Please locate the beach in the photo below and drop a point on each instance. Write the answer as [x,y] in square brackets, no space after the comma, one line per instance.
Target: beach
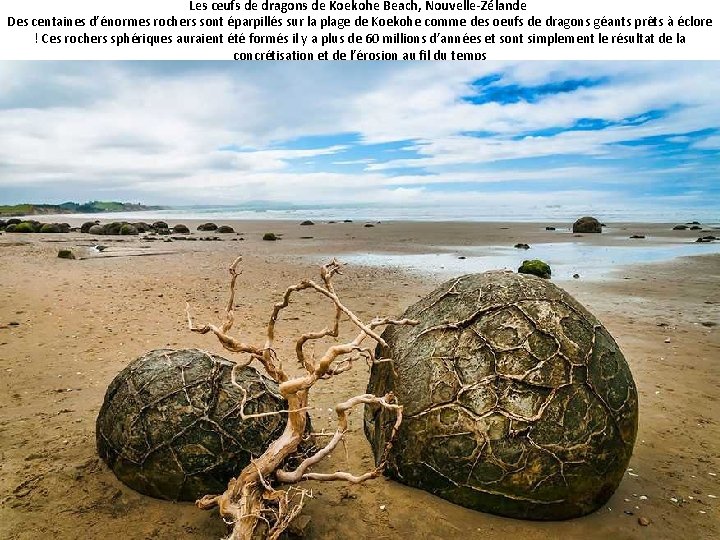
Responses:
[67,327]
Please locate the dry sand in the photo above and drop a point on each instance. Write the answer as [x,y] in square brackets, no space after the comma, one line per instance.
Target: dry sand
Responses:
[68,327]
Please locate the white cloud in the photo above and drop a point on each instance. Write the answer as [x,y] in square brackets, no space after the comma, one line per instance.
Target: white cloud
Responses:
[160,129]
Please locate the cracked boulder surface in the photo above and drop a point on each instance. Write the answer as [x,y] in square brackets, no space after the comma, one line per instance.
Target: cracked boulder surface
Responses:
[170,426]
[517,400]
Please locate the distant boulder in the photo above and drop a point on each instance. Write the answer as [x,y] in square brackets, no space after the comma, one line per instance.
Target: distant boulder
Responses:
[85,227]
[680,228]
[308,222]
[181,229]
[549,228]
[23,227]
[270,237]
[65,254]
[160,225]
[522,246]
[225,229]
[638,236]
[112,228]
[50,228]
[695,228]
[535,267]
[13,221]
[96,229]
[368,225]
[207,227]
[128,229]
[587,224]
[142,227]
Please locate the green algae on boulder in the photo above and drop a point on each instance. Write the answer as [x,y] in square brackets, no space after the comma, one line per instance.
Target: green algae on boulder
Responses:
[128,229]
[170,425]
[24,227]
[517,400]
[270,237]
[536,267]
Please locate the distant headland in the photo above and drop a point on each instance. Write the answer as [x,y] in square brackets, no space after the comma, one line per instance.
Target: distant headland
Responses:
[92,207]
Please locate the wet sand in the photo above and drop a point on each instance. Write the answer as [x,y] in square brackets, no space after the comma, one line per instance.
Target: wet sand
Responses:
[67,327]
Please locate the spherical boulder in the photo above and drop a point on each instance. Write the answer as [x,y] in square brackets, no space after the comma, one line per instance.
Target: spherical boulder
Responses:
[535,267]
[181,229]
[207,227]
[170,425]
[587,224]
[225,229]
[96,229]
[517,400]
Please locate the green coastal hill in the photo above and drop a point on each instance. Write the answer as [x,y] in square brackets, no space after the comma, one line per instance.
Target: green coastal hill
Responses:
[92,207]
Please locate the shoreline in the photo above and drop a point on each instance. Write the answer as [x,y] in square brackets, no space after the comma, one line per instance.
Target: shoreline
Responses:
[78,323]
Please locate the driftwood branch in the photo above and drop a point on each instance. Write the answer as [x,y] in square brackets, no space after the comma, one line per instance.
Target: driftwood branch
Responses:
[251,504]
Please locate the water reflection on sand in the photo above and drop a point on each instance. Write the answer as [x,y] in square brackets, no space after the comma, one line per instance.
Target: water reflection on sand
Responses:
[565,258]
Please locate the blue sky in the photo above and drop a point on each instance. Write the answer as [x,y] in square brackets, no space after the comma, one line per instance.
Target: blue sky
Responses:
[523,135]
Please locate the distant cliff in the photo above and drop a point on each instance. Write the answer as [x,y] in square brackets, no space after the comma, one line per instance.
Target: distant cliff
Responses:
[92,207]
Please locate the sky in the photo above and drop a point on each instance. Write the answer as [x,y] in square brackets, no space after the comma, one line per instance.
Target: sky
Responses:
[522,136]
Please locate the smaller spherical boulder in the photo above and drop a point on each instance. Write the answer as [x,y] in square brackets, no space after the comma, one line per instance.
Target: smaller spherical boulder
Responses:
[181,229]
[159,225]
[225,229]
[207,227]
[587,224]
[170,425]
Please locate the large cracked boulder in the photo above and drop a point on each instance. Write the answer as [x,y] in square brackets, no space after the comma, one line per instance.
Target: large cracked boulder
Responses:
[517,400]
[170,426]
[587,224]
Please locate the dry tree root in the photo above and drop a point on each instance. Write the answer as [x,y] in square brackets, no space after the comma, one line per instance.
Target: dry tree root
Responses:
[251,505]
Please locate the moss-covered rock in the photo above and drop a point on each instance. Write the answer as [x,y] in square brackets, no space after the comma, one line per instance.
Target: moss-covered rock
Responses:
[65,254]
[536,267]
[270,237]
[128,229]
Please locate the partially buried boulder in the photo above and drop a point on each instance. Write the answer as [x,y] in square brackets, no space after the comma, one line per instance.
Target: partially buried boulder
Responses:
[170,425]
[180,228]
[517,401]
[225,229]
[207,227]
[587,224]
[96,229]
